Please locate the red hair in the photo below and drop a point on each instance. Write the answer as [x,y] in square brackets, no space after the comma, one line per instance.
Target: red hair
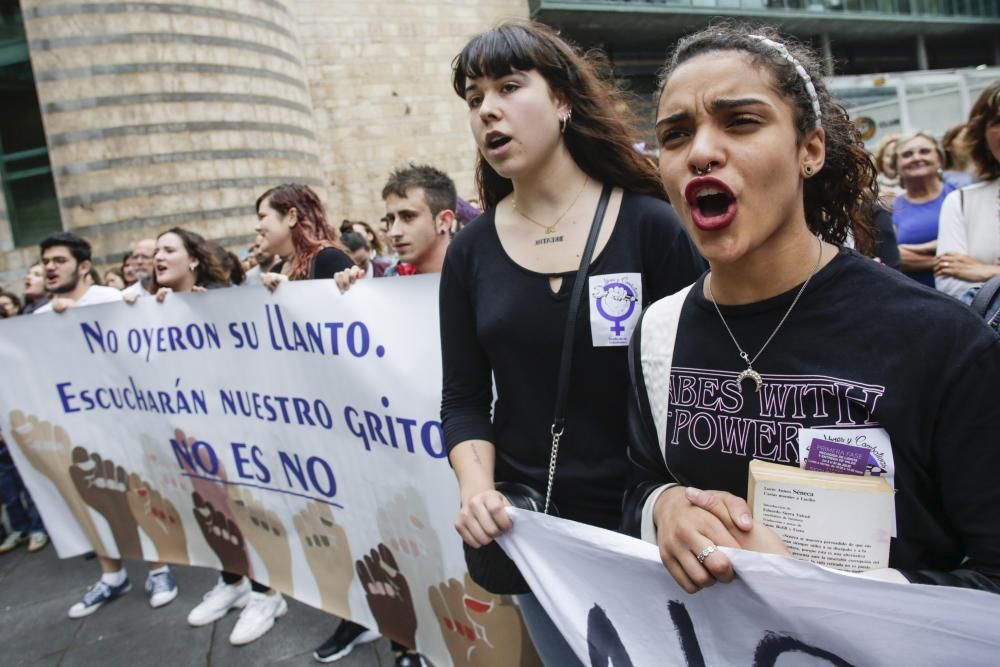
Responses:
[311,232]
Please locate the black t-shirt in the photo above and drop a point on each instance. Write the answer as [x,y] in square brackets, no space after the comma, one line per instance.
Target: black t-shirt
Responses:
[865,348]
[886,248]
[499,317]
[326,263]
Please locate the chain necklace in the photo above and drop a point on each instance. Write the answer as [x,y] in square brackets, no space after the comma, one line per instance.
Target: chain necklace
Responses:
[749,372]
[550,229]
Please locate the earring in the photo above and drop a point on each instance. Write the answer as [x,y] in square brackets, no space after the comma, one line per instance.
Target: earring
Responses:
[192,267]
[564,122]
[808,170]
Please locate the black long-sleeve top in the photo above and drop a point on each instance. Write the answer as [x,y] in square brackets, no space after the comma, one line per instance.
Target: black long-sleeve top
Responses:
[499,318]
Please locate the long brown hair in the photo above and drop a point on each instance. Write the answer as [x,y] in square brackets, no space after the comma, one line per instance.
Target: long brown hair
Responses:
[984,113]
[602,133]
[209,270]
[311,232]
[840,198]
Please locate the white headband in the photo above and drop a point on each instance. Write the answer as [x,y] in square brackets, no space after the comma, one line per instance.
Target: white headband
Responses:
[810,88]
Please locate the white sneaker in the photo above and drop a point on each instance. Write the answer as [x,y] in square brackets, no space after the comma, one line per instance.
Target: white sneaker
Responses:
[217,602]
[14,538]
[258,617]
[37,541]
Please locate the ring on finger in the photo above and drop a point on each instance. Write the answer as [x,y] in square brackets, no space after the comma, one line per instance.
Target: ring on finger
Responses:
[706,552]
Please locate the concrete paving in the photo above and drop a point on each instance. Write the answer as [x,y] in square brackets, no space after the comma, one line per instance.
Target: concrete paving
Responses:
[36,591]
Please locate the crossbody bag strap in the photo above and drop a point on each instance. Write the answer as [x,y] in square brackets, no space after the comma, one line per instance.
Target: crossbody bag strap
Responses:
[566,358]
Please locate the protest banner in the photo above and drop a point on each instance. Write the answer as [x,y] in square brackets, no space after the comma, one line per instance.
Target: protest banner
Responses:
[617,605]
[292,437]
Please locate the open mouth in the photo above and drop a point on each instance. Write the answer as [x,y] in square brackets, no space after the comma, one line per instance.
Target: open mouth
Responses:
[713,204]
[496,140]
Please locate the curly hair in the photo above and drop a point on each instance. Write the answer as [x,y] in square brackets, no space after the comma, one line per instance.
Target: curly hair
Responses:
[209,270]
[311,232]
[840,198]
[984,113]
[602,133]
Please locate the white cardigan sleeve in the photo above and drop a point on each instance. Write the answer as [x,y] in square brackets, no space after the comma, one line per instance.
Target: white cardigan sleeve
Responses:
[952,237]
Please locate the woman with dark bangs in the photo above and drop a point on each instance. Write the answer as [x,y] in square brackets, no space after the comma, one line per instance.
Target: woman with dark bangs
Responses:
[292,224]
[551,137]
[791,336]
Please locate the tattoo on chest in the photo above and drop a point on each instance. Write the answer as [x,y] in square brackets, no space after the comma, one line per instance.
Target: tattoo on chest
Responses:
[545,240]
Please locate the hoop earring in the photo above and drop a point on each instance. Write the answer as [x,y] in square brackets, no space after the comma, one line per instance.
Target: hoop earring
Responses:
[564,122]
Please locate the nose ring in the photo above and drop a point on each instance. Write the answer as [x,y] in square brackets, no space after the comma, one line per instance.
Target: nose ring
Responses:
[706,170]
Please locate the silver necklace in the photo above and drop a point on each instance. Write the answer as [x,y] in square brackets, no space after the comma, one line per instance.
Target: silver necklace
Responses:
[749,372]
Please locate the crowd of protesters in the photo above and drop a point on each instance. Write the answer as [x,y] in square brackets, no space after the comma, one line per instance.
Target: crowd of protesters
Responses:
[945,201]
[770,190]
[294,241]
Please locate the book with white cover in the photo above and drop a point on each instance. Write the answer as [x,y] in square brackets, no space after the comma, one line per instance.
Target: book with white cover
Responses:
[839,521]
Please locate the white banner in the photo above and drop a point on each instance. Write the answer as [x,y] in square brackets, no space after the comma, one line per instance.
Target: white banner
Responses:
[616,605]
[294,437]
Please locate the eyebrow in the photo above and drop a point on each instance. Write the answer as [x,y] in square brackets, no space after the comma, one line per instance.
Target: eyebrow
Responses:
[513,72]
[723,103]
[719,104]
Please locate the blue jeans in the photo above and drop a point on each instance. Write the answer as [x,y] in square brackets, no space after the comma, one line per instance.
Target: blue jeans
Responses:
[21,509]
[549,642]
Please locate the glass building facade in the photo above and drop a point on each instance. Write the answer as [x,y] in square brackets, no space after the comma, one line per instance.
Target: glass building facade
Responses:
[30,209]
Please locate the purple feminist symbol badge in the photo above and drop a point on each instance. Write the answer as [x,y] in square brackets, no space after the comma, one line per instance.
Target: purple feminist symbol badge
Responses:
[616,302]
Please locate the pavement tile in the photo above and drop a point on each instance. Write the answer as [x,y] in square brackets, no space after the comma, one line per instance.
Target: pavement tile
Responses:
[33,630]
[36,591]
[42,576]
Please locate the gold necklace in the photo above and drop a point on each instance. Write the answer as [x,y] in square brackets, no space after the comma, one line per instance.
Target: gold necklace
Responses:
[550,229]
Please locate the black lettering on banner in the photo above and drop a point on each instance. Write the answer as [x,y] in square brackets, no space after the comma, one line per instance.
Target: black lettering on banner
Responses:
[685,632]
[606,648]
[773,646]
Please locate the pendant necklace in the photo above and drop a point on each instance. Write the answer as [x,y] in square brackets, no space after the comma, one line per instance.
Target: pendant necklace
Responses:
[749,372]
[550,229]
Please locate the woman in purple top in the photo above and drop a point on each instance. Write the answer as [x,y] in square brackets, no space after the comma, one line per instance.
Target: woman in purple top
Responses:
[915,212]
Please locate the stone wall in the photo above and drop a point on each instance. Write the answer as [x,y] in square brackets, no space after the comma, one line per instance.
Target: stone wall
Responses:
[380,77]
[181,113]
